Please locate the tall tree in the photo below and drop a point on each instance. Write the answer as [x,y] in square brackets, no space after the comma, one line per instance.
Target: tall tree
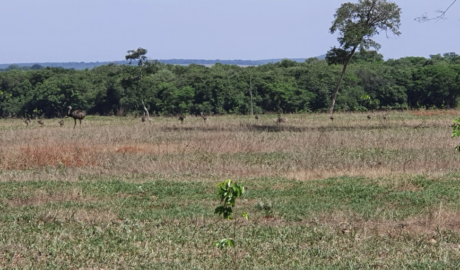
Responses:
[357,24]
[250,89]
[138,55]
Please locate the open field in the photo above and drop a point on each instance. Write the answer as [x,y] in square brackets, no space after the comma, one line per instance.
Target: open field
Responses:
[351,193]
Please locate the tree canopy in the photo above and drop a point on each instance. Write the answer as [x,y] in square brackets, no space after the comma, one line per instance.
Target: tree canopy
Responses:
[357,24]
[371,83]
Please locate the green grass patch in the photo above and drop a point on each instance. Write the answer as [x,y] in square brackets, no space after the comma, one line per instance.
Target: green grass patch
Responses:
[161,224]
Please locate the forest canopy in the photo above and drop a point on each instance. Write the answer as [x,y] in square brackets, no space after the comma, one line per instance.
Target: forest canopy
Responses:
[371,83]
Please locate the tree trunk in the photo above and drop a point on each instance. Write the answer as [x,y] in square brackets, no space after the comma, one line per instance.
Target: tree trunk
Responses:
[250,93]
[146,112]
[334,95]
[336,91]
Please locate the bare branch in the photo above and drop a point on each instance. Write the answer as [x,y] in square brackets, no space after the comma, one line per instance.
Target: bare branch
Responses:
[441,16]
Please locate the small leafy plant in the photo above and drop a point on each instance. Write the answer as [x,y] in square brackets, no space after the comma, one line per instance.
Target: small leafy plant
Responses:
[456,131]
[228,193]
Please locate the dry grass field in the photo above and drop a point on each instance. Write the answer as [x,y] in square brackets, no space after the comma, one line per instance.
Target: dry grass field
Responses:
[117,193]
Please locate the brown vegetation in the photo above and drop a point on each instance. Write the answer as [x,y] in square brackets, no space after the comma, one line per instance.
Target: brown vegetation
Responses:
[120,149]
[435,112]
[129,149]
[41,197]
[304,148]
[428,224]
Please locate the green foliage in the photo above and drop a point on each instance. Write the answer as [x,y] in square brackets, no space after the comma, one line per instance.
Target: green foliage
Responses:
[364,56]
[286,87]
[357,24]
[456,131]
[435,84]
[160,233]
[224,243]
[228,193]
[337,56]
[138,54]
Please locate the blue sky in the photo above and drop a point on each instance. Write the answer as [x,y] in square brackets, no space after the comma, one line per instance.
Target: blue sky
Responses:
[103,30]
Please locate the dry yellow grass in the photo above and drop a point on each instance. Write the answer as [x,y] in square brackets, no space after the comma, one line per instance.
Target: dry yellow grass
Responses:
[306,147]
[119,193]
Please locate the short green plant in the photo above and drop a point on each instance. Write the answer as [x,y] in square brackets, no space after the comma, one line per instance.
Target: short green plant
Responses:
[456,131]
[228,193]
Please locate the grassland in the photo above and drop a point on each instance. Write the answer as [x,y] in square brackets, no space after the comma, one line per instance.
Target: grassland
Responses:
[351,193]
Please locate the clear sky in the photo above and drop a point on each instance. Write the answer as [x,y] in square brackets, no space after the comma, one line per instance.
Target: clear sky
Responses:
[103,30]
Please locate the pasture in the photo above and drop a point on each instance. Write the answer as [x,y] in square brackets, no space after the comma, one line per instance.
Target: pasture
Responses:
[352,193]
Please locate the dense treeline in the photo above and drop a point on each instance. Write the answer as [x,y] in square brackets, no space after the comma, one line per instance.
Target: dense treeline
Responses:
[90,65]
[288,86]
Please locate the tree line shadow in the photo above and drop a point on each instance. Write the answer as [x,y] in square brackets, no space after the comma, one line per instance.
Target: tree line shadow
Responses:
[288,128]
